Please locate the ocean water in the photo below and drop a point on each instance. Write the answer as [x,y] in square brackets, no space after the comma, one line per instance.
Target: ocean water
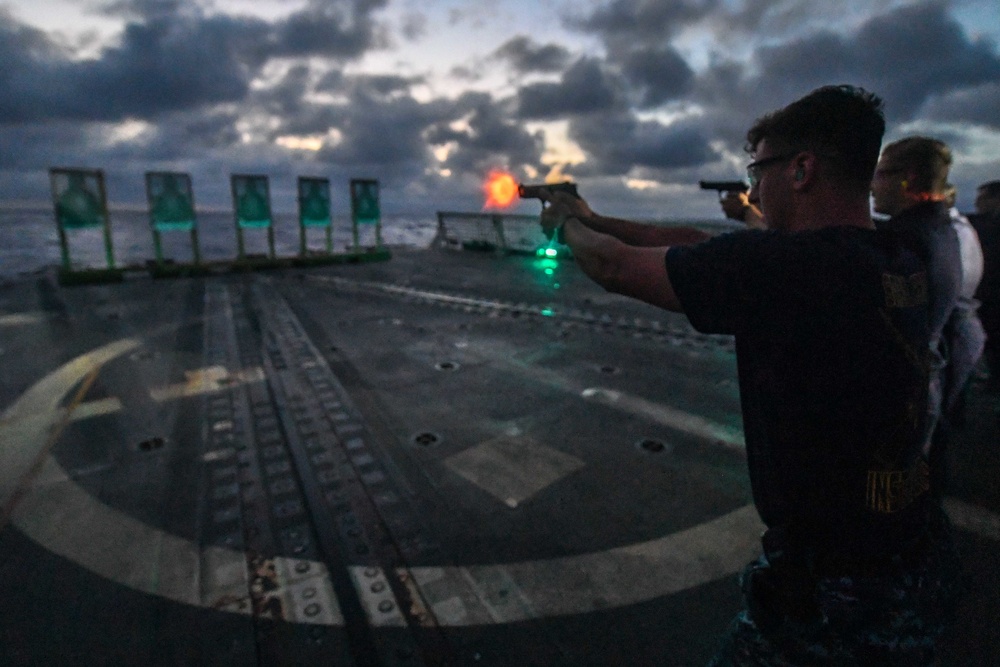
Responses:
[29,239]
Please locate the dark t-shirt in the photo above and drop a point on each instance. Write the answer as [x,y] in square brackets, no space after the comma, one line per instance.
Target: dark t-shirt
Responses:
[831,344]
[988,228]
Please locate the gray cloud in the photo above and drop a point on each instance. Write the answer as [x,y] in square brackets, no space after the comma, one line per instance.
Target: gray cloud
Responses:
[584,88]
[342,29]
[146,9]
[380,133]
[660,73]
[643,21]
[493,138]
[976,104]
[907,56]
[525,55]
[619,142]
[920,51]
[413,26]
[158,66]
[169,60]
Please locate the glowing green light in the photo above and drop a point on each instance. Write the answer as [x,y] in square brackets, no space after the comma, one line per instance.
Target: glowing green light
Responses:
[549,272]
[547,312]
[551,252]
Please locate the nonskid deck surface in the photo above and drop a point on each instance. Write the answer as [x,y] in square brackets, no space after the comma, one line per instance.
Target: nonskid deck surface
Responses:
[446,458]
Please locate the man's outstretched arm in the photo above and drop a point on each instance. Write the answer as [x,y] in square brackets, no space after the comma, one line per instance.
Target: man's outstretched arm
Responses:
[636,271]
[562,205]
[644,235]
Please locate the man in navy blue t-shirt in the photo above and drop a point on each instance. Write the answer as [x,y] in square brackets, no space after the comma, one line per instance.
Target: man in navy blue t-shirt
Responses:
[831,326]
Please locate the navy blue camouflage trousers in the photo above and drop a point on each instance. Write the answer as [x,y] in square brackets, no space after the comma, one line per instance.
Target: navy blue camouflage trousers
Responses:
[894,619]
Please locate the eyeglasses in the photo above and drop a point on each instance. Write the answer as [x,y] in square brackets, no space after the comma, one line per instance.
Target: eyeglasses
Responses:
[754,169]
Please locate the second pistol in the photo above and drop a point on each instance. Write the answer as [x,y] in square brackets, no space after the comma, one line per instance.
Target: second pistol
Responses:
[724,186]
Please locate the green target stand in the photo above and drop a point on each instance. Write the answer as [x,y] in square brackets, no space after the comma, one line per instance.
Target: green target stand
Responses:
[314,211]
[80,202]
[171,209]
[365,210]
[252,210]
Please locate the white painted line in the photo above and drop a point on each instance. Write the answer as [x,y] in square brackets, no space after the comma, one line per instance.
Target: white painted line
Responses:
[680,420]
[20,319]
[613,578]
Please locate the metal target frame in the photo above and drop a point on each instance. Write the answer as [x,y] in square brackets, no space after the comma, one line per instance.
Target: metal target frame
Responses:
[87,207]
[307,210]
[158,226]
[364,195]
[241,185]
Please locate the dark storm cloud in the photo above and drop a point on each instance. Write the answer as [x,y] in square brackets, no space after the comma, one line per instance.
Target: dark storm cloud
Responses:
[160,65]
[144,9]
[296,116]
[286,96]
[916,52]
[620,142]
[169,60]
[661,74]
[907,56]
[413,26]
[525,55]
[642,21]
[488,138]
[979,105]
[336,29]
[380,131]
[584,88]
[32,144]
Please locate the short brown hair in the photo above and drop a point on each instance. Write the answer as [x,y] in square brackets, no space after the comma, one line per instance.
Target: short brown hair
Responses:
[841,124]
[926,159]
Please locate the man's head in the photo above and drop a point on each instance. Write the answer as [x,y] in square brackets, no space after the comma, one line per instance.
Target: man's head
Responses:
[910,171]
[988,198]
[827,141]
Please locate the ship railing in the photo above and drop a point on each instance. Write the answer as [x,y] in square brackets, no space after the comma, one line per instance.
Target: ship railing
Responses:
[500,232]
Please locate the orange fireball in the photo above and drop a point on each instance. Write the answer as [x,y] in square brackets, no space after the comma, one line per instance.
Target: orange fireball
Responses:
[500,188]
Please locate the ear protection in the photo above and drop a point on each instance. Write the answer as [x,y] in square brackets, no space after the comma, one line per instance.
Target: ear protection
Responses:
[799,174]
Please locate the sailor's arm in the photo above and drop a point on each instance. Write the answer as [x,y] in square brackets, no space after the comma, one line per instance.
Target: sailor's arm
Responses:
[644,235]
[562,205]
[636,271]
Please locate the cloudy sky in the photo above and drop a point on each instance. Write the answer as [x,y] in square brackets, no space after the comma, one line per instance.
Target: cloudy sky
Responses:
[634,99]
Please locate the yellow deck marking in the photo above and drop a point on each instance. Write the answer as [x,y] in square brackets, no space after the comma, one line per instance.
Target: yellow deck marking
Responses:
[207,381]
[97,408]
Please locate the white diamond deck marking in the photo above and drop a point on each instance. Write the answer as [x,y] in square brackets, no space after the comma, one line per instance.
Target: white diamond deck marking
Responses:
[513,468]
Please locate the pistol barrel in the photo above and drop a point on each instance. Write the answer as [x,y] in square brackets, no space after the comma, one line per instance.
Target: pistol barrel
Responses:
[536,191]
